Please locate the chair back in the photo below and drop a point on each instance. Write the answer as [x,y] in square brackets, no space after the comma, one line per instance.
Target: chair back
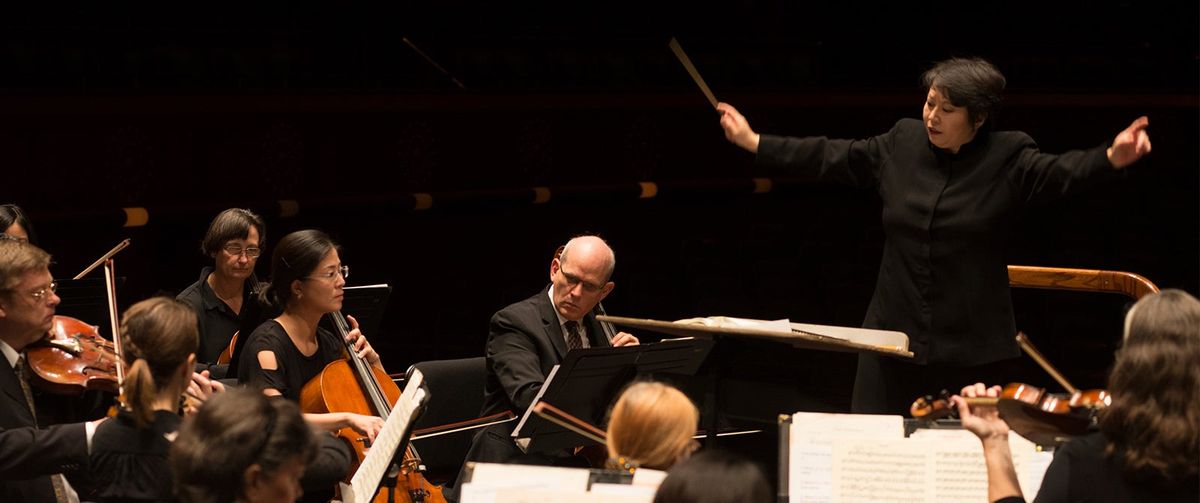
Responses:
[455,394]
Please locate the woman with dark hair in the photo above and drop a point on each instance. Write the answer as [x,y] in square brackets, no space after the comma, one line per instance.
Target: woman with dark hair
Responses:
[242,446]
[14,224]
[129,453]
[951,188]
[714,477]
[1148,445]
[221,297]
[284,353]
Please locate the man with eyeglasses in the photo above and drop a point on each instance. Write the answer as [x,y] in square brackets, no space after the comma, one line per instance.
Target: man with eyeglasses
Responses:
[33,456]
[222,295]
[530,337]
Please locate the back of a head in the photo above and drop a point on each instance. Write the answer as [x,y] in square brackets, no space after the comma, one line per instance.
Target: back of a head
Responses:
[158,336]
[232,431]
[714,477]
[652,425]
[1153,424]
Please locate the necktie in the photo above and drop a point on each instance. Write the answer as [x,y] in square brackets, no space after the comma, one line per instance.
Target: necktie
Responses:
[574,338]
[60,490]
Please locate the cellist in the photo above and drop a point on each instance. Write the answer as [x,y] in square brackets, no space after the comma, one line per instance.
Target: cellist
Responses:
[285,352]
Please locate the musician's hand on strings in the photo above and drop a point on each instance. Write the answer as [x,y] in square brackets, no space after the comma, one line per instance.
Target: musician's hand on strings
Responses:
[737,129]
[359,342]
[624,339]
[982,420]
[365,425]
[1130,144]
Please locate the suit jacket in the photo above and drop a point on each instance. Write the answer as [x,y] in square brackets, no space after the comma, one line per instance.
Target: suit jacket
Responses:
[28,455]
[524,342]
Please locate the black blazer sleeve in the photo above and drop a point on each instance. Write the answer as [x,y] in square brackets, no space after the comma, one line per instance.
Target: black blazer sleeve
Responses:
[851,162]
[515,358]
[29,452]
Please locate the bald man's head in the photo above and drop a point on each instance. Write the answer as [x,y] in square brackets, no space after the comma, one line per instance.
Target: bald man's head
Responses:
[582,276]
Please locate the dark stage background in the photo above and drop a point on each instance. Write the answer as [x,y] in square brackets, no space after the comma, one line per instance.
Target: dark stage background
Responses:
[186,111]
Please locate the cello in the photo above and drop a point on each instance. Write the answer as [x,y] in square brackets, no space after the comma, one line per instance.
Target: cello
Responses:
[353,385]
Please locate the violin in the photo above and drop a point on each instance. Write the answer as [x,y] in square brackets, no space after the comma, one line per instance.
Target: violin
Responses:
[353,385]
[1032,412]
[72,359]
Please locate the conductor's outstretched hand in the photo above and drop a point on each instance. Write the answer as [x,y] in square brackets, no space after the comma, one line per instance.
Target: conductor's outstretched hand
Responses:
[1129,145]
[737,130]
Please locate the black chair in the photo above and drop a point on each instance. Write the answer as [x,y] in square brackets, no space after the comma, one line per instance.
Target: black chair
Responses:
[455,394]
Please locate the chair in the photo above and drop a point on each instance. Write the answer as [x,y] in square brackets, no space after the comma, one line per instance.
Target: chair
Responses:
[456,395]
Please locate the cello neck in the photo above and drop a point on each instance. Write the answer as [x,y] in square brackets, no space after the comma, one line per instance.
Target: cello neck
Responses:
[609,331]
[362,369]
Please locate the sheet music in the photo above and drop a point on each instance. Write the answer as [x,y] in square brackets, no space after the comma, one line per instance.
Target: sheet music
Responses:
[811,444]
[854,457]
[365,482]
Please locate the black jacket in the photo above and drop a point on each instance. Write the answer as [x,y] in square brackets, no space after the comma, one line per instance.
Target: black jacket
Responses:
[943,278]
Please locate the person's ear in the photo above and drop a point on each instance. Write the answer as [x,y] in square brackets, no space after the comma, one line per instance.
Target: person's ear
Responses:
[555,265]
[980,120]
[253,483]
[608,288]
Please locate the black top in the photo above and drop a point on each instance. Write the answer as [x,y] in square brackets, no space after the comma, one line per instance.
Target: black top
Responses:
[293,368]
[943,278]
[216,320]
[130,463]
[1082,472]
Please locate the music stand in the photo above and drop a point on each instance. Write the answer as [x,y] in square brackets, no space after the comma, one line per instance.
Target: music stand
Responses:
[366,304]
[588,380]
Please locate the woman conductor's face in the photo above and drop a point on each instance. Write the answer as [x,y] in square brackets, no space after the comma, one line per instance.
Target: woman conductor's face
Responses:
[949,126]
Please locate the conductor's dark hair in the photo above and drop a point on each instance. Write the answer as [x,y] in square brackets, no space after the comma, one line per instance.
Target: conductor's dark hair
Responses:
[232,431]
[295,257]
[233,223]
[12,214]
[714,477]
[968,82]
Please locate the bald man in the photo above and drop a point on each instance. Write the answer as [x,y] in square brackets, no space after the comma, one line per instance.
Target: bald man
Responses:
[530,337]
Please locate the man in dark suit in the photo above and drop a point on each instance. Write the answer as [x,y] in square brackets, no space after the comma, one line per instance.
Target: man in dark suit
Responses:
[32,458]
[530,337]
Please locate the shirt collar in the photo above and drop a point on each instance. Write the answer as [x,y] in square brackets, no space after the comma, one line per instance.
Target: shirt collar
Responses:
[561,321]
[10,354]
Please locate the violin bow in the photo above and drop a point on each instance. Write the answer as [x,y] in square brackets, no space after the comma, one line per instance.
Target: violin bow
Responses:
[116,249]
[110,275]
[1027,346]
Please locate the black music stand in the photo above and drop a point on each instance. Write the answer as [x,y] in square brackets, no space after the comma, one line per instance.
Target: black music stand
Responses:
[366,304]
[588,380]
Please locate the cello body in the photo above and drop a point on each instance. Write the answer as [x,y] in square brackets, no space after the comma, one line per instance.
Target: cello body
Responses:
[338,388]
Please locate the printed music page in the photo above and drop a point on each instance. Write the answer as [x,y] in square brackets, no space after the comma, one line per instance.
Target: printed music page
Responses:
[811,440]
[870,471]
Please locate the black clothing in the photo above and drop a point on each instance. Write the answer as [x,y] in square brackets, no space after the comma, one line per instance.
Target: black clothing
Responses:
[29,454]
[129,463]
[884,385]
[216,320]
[943,279]
[293,369]
[1082,472]
[524,342]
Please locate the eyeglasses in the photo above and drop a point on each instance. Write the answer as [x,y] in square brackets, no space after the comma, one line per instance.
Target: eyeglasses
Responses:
[235,250]
[330,275]
[573,280]
[40,294]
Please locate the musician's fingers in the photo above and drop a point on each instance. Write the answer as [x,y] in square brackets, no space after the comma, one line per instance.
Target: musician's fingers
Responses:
[353,322]
[994,390]
[218,387]
[625,339]
[974,390]
[964,410]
